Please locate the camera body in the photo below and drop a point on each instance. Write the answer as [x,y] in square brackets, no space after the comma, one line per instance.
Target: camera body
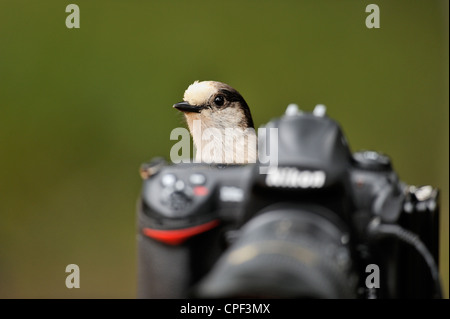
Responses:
[322,223]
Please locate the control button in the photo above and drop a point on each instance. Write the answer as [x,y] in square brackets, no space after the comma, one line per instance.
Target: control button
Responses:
[179,185]
[292,109]
[168,180]
[197,179]
[200,191]
[320,110]
[423,193]
[231,194]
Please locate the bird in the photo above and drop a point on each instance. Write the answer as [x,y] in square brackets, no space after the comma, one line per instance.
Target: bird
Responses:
[220,123]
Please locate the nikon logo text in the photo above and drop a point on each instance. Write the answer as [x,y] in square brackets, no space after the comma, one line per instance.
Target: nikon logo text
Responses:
[294,178]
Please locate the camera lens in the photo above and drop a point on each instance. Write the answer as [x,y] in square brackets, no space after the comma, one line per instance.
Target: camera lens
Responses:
[285,252]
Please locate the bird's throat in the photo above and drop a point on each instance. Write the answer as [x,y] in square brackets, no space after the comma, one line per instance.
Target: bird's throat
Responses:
[223,145]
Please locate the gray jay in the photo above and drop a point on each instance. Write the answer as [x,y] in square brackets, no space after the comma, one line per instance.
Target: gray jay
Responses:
[220,123]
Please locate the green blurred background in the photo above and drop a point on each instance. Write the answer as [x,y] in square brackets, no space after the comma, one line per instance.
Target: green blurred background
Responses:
[81,109]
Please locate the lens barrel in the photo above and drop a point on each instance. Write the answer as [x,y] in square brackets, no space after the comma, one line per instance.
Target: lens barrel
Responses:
[287,251]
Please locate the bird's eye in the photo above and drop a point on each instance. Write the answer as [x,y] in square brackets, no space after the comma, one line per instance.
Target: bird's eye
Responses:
[219,100]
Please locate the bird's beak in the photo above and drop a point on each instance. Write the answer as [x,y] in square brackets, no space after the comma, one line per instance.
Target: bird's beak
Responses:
[186,107]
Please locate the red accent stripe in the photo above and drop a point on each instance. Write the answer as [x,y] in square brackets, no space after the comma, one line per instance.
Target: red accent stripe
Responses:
[177,236]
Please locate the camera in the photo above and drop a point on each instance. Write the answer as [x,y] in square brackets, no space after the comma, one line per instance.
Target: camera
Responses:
[321,222]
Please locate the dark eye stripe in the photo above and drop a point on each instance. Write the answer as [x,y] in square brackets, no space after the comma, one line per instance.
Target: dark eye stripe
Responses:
[235,96]
[231,96]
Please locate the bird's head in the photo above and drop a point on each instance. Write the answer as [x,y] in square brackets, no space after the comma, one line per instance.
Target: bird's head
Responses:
[216,105]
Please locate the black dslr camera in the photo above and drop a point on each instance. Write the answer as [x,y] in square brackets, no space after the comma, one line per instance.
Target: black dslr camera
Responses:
[322,222]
